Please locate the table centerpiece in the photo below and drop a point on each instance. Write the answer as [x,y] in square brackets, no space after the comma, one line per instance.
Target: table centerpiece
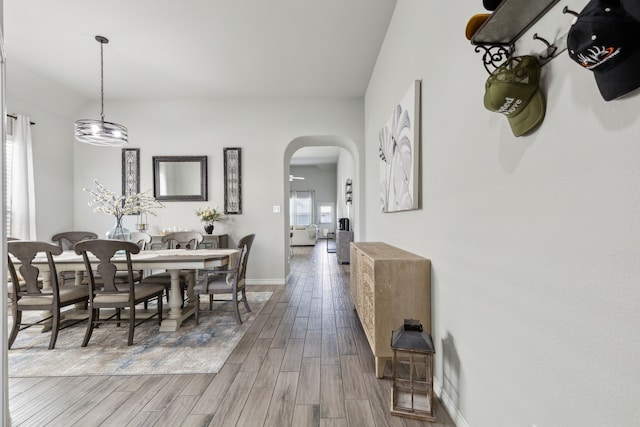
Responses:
[106,201]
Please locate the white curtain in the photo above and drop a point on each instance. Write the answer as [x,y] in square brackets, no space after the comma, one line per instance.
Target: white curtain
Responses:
[23,205]
[301,204]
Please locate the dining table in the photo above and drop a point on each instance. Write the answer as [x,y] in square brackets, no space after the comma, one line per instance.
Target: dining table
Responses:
[172,260]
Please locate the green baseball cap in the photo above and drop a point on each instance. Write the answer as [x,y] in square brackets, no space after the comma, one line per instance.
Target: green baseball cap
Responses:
[513,90]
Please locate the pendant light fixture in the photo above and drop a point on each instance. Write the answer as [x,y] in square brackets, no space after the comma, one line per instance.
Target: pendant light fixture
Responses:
[99,132]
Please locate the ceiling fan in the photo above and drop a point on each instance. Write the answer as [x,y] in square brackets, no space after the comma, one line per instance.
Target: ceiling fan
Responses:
[291,177]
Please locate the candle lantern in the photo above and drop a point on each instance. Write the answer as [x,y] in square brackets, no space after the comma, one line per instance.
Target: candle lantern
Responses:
[412,367]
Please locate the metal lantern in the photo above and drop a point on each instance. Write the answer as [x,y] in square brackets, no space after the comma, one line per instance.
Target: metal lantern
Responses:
[412,365]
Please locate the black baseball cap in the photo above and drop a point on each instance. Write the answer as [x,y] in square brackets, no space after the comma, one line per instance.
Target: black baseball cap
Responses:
[491,4]
[605,39]
[632,7]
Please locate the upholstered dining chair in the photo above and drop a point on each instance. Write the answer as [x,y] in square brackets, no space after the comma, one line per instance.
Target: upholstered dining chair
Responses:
[30,296]
[109,293]
[176,240]
[66,240]
[229,281]
[143,240]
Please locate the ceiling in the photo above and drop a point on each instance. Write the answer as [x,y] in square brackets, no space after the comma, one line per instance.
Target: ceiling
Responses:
[199,48]
[317,156]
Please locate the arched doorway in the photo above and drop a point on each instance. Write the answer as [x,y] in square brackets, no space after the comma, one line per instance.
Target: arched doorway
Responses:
[352,172]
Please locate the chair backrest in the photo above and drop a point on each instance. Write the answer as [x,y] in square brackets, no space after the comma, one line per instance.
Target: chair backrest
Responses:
[24,252]
[182,240]
[244,242]
[67,239]
[104,251]
[143,240]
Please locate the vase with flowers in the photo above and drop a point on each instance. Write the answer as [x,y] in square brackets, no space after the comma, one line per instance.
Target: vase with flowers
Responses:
[209,215]
[106,201]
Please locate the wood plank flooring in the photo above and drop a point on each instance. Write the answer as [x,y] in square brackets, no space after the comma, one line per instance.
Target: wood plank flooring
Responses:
[304,361]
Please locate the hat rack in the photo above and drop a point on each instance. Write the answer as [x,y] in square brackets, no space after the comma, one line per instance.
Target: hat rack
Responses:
[496,38]
[494,55]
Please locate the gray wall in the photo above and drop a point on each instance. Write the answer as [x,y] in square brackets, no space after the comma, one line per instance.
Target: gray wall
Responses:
[321,179]
[263,128]
[534,240]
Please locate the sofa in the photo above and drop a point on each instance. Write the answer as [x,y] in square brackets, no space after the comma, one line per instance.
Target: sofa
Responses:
[304,235]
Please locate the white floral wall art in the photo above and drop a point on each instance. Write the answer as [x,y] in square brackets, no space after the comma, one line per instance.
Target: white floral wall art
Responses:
[399,154]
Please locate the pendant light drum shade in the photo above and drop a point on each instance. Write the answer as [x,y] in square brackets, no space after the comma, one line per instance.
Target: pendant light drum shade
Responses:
[100,132]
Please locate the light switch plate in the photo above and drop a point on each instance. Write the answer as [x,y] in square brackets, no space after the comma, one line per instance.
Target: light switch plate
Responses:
[276,209]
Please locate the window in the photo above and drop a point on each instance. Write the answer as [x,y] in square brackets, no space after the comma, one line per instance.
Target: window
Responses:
[325,213]
[301,207]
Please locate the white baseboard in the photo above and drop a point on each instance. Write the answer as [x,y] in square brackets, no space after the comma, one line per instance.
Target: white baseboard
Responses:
[265,282]
[449,405]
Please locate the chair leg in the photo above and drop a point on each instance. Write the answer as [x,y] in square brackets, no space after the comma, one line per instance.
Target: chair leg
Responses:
[160,310]
[244,300]
[197,309]
[55,327]
[236,306]
[17,319]
[210,302]
[94,315]
[132,324]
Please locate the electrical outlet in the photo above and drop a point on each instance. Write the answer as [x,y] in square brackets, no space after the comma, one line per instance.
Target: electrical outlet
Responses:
[276,209]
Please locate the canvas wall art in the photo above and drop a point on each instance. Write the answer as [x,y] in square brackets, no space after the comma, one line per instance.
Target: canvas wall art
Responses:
[232,181]
[130,171]
[399,154]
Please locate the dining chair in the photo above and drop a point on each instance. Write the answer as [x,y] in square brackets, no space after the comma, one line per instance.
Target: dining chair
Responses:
[143,240]
[177,240]
[66,240]
[111,294]
[229,281]
[30,296]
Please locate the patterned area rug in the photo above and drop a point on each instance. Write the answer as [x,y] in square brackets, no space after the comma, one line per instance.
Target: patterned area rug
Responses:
[192,349]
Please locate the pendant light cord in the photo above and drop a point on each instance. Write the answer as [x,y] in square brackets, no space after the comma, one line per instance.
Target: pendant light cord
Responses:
[101,81]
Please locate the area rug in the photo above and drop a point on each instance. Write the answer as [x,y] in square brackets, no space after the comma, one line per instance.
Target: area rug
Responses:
[201,348]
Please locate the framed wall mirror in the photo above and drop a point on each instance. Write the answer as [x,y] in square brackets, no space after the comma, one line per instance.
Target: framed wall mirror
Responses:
[180,178]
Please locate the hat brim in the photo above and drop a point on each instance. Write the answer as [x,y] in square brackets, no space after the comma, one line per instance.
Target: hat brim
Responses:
[474,24]
[621,79]
[530,117]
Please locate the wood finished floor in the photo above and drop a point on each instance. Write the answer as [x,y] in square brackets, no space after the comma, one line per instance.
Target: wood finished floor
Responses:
[304,361]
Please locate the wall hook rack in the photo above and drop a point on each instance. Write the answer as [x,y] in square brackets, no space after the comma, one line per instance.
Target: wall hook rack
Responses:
[551,49]
[567,10]
[494,55]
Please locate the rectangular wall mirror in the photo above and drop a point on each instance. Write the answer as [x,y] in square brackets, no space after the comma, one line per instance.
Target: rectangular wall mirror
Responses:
[180,178]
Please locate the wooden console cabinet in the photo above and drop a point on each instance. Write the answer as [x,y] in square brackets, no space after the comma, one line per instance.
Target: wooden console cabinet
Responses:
[388,285]
[210,241]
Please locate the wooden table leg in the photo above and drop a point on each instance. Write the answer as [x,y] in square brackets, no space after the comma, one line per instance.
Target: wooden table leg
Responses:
[177,313]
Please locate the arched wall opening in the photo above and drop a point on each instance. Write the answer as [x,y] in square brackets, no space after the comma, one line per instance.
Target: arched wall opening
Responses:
[357,182]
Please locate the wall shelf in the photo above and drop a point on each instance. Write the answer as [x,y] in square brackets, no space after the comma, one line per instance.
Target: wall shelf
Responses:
[499,33]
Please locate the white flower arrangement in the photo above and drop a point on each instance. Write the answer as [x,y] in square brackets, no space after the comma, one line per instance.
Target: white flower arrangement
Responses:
[106,201]
[209,215]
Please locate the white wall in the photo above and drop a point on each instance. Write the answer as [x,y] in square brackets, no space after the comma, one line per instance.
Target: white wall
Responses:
[534,240]
[263,128]
[321,179]
[346,170]
[51,107]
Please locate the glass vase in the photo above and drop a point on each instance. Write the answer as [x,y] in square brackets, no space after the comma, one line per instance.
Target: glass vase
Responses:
[119,232]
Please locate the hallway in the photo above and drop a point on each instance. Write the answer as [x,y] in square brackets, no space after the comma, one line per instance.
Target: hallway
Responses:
[303,362]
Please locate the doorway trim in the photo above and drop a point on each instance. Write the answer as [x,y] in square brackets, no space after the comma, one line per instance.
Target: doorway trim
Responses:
[358,187]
